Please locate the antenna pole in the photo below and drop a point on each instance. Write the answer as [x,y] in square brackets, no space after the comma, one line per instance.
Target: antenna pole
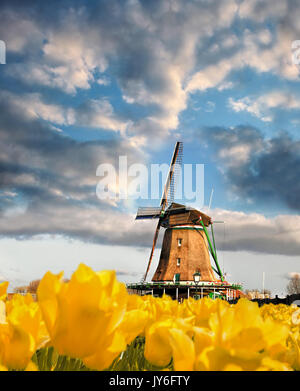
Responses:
[210,199]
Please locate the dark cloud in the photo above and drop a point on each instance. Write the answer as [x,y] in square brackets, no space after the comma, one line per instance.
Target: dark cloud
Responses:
[257,167]
[127,273]
[48,181]
[255,233]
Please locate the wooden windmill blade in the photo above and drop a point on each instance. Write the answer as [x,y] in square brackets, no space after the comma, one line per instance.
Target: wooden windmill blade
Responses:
[152,249]
[168,193]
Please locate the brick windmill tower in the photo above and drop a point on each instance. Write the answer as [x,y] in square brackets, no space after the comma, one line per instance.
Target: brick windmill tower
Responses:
[186,246]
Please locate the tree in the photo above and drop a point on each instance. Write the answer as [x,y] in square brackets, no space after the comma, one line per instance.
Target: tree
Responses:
[33,285]
[266,292]
[293,287]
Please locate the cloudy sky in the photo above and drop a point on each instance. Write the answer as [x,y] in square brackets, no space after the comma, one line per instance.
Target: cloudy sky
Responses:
[87,82]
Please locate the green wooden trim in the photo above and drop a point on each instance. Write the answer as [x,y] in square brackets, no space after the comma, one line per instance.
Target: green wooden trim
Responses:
[214,255]
[213,236]
[215,270]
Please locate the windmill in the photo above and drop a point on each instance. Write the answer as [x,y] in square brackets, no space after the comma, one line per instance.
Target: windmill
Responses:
[186,246]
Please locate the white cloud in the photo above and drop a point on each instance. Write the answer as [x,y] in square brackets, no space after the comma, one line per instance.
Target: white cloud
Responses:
[263,106]
[236,154]
[20,32]
[226,85]
[98,113]
[69,55]
[93,113]
[259,10]
[254,49]
[33,106]
[103,81]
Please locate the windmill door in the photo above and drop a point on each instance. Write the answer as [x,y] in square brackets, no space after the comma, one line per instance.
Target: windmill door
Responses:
[177,278]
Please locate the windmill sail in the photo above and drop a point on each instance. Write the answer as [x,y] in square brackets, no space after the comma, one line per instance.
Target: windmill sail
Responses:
[174,172]
[168,194]
[152,250]
[148,213]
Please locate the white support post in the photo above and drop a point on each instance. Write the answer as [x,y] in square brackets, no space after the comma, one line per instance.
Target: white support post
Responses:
[176,293]
[188,292]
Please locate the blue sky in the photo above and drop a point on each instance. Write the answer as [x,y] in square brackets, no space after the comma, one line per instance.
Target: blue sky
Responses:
[85,83]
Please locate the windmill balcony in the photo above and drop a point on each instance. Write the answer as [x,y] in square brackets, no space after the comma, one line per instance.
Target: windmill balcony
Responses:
[185,283]
[184,289]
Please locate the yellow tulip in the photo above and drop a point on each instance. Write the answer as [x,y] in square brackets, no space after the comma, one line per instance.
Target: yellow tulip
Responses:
[267,364]
[3,368]
[31,367]
[296,317]
[203,338]
[202,309]
[132,325]
[216,358]
[232,367]
[157,347]
[3,289]
[2,312]
[93,318]
[19,335]
[105,354]
[82,314]
[183,350]
[160,342]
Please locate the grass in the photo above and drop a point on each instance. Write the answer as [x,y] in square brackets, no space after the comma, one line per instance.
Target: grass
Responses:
[132,359]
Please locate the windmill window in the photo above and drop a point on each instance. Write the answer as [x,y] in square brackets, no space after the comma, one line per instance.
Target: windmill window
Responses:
[178,261]
[179,242]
